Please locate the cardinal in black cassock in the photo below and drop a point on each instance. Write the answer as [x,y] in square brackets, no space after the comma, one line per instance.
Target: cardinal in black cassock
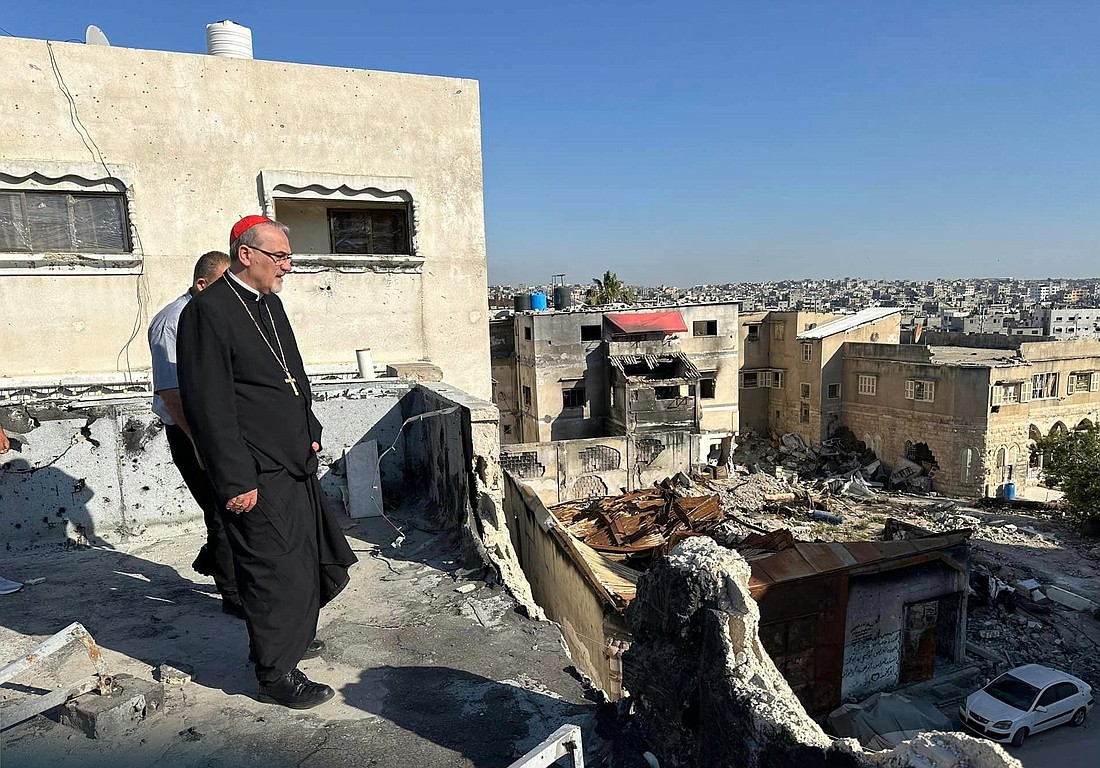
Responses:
[248,401]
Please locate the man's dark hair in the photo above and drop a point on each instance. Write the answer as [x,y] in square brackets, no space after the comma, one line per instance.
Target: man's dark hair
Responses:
[208,265]
[251,236]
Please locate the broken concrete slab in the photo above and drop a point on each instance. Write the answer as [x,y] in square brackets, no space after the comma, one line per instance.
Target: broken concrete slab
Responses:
[175,673]
[1070,600]
[415,371]
[706,693]
[105,716]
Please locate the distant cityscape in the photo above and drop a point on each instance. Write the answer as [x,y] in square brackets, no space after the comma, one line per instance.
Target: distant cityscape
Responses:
[1056,308]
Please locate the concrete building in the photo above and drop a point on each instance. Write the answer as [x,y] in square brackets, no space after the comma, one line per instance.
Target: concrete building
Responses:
[1069,323]
[118,167]
[629,372]
[791,367]
[970,407]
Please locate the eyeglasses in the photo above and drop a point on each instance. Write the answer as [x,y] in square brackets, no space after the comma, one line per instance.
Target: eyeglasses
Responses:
[278,258]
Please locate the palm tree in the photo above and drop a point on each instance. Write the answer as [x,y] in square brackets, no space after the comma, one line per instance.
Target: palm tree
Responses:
[609,290]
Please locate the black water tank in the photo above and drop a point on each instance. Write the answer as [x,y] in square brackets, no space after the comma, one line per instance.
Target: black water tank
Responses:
[523,302]
[563,297]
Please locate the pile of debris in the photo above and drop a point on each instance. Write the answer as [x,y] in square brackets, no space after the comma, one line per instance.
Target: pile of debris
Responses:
[641,526]
[841,465]
[1018,623]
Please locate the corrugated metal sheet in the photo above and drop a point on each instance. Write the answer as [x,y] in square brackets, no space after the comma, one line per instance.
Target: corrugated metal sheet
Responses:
[807,560]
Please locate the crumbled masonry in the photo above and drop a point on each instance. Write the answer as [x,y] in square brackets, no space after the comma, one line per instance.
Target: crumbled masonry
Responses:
[707,695]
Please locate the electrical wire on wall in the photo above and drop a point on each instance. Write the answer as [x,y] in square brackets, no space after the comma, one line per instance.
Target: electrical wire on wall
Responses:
[142,285]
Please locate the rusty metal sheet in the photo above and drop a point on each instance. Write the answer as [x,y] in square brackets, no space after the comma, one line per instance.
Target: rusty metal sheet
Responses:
[822,558]
[785,566]
[863,551]
[842,552]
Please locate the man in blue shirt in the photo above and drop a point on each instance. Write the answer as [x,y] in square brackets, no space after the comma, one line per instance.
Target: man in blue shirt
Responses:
[215,558]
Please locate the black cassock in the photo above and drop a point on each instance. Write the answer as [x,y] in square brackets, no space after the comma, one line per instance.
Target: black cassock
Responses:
[253,431]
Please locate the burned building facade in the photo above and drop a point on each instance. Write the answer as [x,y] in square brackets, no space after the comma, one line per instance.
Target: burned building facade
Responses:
[632,373]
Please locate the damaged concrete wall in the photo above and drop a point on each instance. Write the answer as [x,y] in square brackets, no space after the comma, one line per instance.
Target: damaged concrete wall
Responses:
[561,586]
[706,693]
[82,473]
[577,469]
[455,458]
[875,654]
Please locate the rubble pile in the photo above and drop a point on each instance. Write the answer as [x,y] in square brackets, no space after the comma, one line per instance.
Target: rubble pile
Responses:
[641,526]
[996,531]
[705,693]
[1013,624]
[841,465]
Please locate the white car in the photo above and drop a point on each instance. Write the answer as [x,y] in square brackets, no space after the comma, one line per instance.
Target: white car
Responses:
[1025,701]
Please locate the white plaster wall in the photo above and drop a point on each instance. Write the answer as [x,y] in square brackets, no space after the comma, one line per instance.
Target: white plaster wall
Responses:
[195,132]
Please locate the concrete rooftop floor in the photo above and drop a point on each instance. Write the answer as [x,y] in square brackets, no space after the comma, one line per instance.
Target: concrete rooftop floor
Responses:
[419,680]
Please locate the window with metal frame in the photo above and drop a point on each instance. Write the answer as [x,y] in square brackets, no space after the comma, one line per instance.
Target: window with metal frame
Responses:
[63,222]
[381,229]
[868,385]
[704,328]
[804,390]
[804,413]
[833,391]
[807,352]
[573,396]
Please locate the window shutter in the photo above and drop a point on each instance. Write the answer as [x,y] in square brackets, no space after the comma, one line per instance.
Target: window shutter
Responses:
[998,394]
[910,389]
[1094,381]
[1025,391]
[930,391]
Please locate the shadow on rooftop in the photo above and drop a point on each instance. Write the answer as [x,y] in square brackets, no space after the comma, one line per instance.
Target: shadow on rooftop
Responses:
[132,606]
[489,723]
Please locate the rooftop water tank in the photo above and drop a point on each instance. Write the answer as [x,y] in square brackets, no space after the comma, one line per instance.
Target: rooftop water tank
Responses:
[522,302]
[563,297]
[229,39]
[538,300]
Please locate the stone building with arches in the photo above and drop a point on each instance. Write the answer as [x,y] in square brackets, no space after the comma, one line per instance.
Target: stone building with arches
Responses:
[972,409]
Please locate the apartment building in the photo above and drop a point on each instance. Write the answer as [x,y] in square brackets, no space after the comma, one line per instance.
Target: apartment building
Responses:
[1065,323]
[587,373]
[791,367]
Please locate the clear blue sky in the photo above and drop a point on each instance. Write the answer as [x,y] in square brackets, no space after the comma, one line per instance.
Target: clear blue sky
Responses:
[701,142]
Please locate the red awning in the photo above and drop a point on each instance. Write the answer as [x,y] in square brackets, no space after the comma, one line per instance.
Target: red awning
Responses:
[648,322]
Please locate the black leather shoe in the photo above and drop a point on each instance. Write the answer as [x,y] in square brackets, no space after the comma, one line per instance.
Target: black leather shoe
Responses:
[233,607]
[296,691]
[314,649]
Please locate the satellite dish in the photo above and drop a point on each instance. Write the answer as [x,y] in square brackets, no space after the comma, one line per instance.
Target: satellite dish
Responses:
[94,36]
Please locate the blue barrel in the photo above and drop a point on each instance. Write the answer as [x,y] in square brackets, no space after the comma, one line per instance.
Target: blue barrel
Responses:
[522,302]
[538,300]
[1010,491]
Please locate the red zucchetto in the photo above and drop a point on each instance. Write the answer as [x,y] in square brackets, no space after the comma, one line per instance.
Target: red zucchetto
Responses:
[245,224]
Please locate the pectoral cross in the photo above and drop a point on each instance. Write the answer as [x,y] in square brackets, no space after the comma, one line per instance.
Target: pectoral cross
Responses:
[293,383]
